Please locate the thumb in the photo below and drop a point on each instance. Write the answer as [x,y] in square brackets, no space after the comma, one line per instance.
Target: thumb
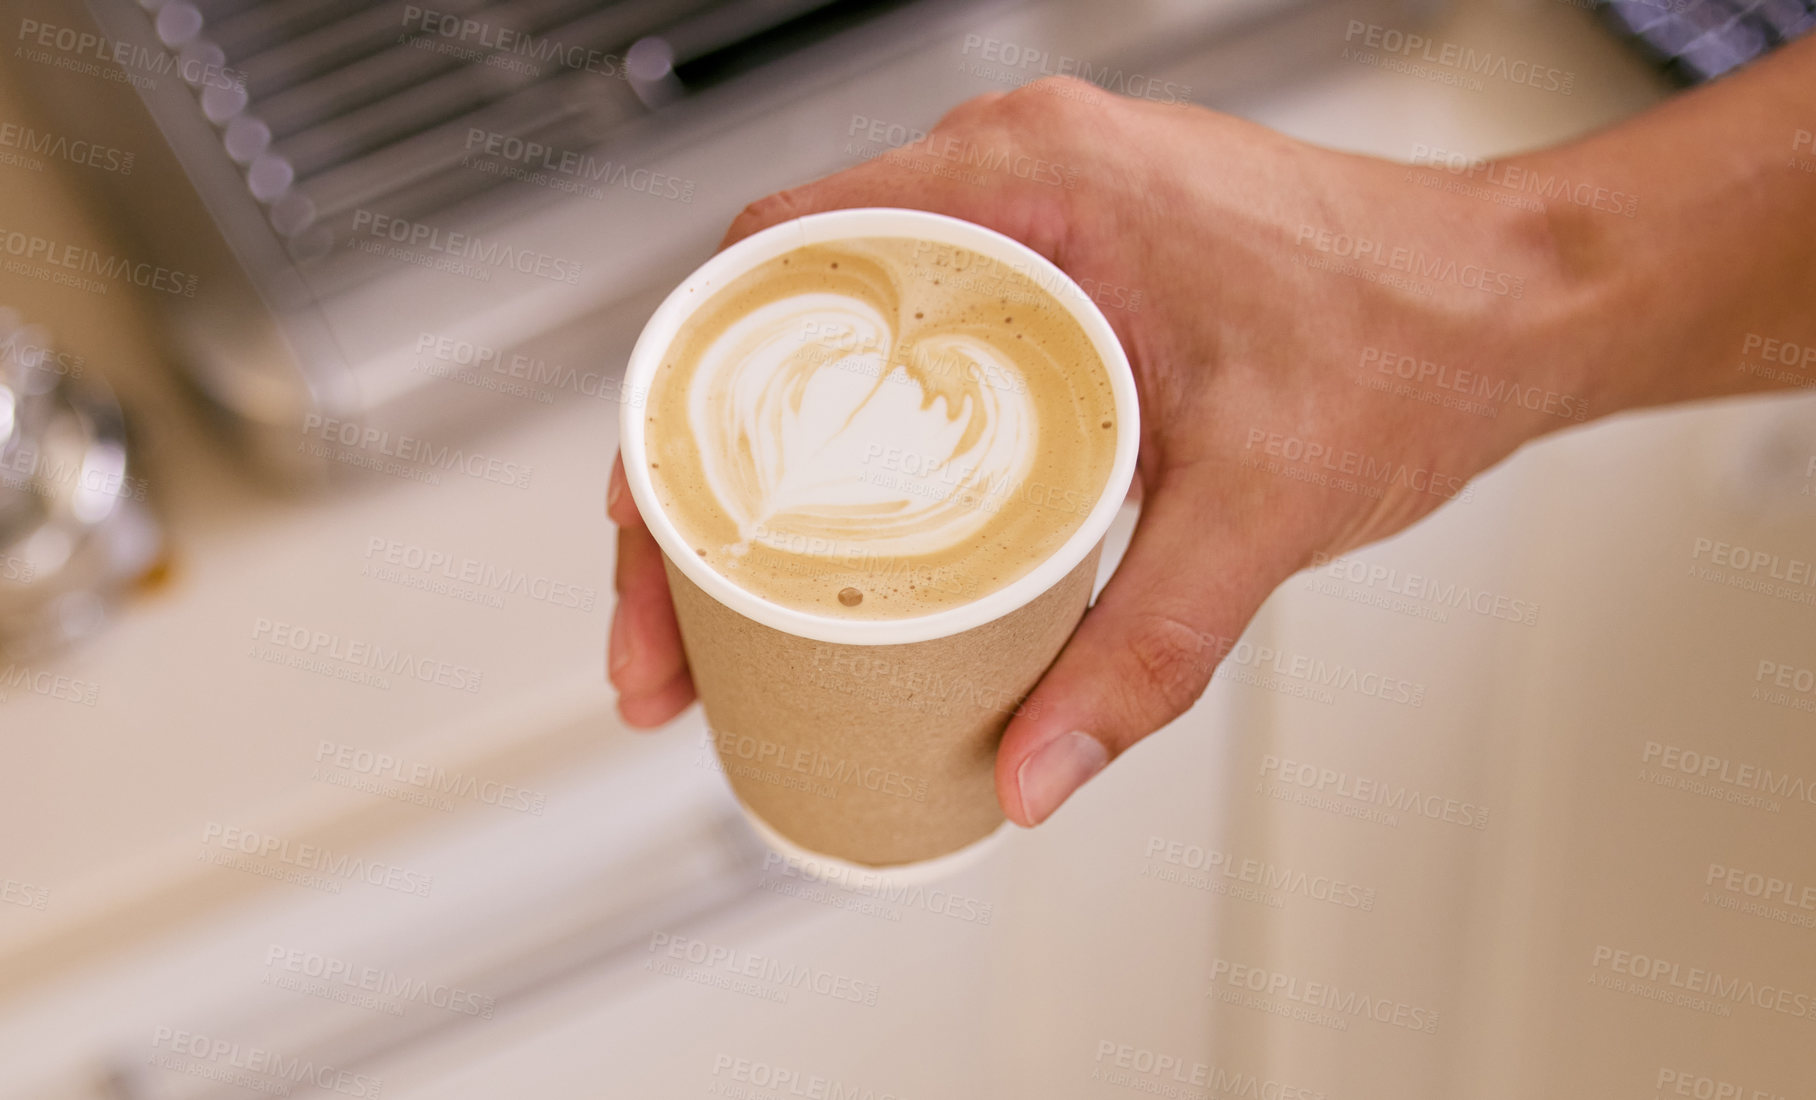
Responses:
[1189,582]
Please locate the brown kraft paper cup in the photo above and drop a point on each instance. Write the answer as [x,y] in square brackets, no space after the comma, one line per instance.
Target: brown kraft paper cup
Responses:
[872,743]
[875,754]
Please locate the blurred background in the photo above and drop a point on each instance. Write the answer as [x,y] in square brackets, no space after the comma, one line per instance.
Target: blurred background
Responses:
[314,317]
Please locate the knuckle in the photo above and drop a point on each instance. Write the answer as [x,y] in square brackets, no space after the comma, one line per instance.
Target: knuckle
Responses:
[1171,660]
[970,110]
[763,213]
[1056,93]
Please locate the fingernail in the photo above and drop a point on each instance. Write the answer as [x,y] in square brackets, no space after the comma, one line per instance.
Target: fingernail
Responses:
[1062,765]
[612,494]
[620,645]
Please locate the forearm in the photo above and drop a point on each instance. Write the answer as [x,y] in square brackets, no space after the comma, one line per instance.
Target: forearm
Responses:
[1710,287]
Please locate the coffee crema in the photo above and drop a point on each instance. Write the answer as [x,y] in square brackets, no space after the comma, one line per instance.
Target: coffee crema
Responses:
[879,428]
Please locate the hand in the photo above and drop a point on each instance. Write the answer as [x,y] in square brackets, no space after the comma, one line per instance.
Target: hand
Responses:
[1267,435]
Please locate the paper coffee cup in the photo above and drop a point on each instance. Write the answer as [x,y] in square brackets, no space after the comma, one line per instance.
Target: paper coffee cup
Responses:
[871,743]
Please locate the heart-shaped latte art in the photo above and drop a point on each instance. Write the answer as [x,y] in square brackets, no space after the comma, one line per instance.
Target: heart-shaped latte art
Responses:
[816,420]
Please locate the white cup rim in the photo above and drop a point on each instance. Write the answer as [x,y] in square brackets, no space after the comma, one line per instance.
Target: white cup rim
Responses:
[836,225]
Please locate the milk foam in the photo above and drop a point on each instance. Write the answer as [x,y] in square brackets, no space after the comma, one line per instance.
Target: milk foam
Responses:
[800,437]
[903,425]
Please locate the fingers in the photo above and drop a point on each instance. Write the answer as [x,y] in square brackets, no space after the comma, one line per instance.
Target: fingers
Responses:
[657,707]
[619,507]
[1141,656]
[645,660]
[877,182]
[646,664]
[885,180]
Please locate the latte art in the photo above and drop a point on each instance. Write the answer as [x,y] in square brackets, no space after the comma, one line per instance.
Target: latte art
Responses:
[783,422]
[839,424]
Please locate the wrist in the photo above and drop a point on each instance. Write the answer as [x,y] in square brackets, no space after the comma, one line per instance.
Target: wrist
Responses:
[1600,292]
[1540,347]
[1676,297]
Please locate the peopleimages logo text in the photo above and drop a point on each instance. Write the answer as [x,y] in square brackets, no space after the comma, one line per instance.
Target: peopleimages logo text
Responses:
[482,575]
[1523,180]
[78,46]
[382,765]
[1410,368]
[1404,798]
[528,369]
[812,762]
[762,968]
[750,1075]
[256,1061]
[465,246]
[1464,59]
[390,660]
[407,448]
[313,857]
[1324,995]
[1255,872]
[511,40]
[377,981]
[1710,768]
[1420,586]
[1037,63]
[1753,884]
[584,167]
[1230,653]
[1696,979]
[87,154]
[86,261]
[48,684]
[1161,1074]
[1411,261]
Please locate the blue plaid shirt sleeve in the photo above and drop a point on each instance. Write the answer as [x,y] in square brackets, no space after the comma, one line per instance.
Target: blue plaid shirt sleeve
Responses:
[1699,40]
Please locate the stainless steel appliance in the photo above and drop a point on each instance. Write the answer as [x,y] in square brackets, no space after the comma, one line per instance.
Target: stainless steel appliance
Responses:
[388,222]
